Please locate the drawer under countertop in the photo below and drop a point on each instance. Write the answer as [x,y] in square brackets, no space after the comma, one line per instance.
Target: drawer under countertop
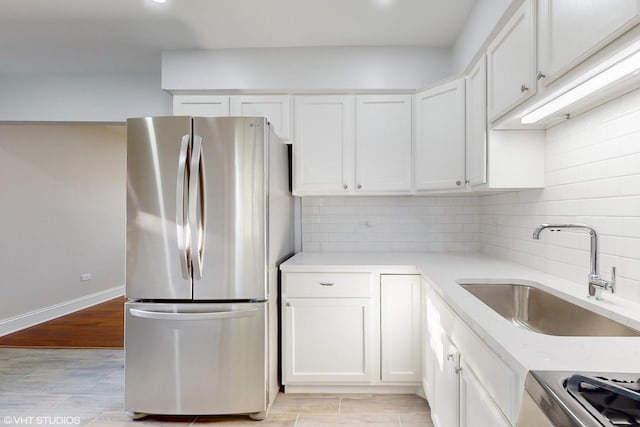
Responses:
[327,285]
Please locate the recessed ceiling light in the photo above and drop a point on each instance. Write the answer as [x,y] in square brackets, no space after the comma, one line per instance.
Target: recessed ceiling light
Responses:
[384,3]
[158,1]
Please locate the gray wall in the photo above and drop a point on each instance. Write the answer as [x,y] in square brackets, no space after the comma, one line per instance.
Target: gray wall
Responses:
[481,21]
[313,68]
[81,97]
[62,192]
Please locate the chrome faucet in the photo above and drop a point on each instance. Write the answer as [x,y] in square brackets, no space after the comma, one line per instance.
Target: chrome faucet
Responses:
[596,283]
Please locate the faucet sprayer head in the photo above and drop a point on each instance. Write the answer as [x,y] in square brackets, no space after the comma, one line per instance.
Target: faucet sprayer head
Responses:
[538,230]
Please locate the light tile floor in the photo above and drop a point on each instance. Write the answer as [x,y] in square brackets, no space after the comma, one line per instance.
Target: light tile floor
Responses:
[47,387]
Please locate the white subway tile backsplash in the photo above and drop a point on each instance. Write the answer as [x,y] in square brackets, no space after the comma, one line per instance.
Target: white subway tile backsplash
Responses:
[395,224]
[592,176]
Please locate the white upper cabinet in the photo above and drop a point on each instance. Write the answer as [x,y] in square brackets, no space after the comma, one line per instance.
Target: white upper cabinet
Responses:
[476,124]
[323,144]
[383,144]
[200,105]
[274,107]
[440,137]
[570,31]
[352,145]
[511,63]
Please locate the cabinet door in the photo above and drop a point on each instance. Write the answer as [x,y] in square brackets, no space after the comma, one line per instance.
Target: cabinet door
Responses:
[445,394]
[476,124]
[200,105]
[511,63]
[570,31]
[427,353]
[400,327]
[327,340]
[274,107]
[383,143]
[440,134]
[476,407]
[323,145]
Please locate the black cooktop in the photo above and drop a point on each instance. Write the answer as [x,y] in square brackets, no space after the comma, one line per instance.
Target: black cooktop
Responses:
[598,399]
[615,398]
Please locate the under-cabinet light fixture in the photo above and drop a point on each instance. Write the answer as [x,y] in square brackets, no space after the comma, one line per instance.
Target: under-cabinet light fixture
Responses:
[622,65]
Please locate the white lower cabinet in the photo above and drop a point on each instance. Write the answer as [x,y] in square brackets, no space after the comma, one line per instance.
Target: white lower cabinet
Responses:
[350,330]
[400,327]
[465,383]
[476,407]
[327,340]
[444,398]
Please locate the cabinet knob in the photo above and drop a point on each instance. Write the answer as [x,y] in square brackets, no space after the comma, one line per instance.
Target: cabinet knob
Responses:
[523,88]
[359,186]
[540,75]
[288,304]
[345,186]
[458,182]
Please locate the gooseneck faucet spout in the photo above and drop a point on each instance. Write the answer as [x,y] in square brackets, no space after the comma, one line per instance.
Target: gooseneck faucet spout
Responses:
[596,283]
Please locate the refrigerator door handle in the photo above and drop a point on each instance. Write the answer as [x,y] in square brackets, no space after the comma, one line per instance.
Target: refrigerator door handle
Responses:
[182,222]
[197,207]
[157,315]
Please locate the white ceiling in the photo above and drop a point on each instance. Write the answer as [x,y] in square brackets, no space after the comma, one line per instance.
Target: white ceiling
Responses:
[128,35]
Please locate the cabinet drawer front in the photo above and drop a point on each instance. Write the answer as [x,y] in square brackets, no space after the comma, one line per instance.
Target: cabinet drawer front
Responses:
[327,285]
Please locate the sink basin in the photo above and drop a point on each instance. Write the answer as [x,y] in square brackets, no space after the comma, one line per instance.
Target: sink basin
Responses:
[534,309]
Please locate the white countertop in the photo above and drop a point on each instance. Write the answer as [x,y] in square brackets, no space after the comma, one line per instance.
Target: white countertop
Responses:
[522,350]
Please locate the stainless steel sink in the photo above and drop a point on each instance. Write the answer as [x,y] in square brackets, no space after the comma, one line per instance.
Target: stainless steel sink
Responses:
[536,310]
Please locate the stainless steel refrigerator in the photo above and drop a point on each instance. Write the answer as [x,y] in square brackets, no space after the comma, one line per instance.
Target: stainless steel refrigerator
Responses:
[209,219]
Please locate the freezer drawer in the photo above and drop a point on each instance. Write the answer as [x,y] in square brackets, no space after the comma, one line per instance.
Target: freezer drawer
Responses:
[195,358]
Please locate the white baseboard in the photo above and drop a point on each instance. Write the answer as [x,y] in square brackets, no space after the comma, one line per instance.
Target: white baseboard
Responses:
[22,321]
[351,389]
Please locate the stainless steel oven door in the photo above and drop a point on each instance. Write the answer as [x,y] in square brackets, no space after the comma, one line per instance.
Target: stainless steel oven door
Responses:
[531,415]
[194,358]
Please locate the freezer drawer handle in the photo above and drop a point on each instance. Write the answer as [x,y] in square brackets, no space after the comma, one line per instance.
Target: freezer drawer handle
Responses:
[193,316]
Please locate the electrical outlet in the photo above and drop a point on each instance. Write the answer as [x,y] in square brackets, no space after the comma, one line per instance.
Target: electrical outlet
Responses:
[84,277]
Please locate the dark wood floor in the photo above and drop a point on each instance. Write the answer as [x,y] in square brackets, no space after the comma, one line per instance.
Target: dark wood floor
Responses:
[100,326]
